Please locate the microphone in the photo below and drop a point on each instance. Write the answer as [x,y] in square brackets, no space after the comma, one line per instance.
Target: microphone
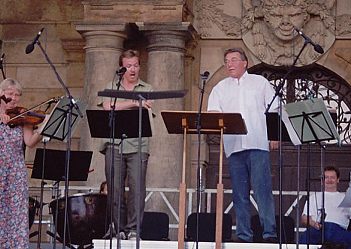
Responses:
[204,76]
[121,71]
[30,47]
[316,46]
[1,60]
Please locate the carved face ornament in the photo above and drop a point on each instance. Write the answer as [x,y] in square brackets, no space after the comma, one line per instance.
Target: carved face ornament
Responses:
[282,17]
[268,28]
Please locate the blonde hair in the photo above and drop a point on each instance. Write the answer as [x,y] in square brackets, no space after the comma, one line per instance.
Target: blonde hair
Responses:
[129,54]
[6,83]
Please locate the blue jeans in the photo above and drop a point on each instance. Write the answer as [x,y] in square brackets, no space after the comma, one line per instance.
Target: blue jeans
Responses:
[252,168]
[333,233]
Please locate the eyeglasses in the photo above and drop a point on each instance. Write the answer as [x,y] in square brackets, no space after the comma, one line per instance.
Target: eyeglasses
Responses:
[233,60]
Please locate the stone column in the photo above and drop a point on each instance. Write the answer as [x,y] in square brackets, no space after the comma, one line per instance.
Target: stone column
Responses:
[104,44]
[166,51]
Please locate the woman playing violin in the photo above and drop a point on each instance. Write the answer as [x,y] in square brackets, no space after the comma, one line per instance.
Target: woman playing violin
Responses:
[14,228]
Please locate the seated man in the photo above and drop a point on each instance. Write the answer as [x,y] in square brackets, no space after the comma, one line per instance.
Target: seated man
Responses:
[336,218]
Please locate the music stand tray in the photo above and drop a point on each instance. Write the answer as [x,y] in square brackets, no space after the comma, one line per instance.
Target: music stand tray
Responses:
[55,165]
[233,122]
[185,122]
[312,121]
[126,123]
[136,95]
[56,126]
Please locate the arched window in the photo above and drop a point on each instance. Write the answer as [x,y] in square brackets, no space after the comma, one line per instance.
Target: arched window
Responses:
[313,81]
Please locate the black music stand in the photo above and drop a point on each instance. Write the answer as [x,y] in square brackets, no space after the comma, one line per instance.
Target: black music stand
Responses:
[54,165]
[136,95]
[60,124]
[312,121]
[313,124]
[185,122]
[126,127]
[140,96]
[57,125]
[50,165]
[272,120]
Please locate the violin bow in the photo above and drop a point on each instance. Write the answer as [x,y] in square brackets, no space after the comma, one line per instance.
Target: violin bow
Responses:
[52,100]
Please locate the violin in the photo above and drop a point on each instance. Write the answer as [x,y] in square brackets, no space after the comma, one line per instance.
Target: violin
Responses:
[20,116]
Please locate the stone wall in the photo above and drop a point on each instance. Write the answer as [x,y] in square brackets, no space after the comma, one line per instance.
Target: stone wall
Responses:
[178,40]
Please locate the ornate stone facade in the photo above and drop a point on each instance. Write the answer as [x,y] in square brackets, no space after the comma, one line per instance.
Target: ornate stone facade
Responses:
[269,29]
[178,39]
[267,26]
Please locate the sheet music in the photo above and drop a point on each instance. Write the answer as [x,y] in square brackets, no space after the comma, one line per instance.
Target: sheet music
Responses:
[292,133]
[346,202]
[320,120]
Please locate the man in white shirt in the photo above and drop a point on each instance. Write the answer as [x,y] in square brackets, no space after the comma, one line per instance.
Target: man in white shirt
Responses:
[336,218]
[248,155]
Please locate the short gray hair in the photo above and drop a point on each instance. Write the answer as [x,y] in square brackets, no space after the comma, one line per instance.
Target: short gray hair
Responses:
[6,83]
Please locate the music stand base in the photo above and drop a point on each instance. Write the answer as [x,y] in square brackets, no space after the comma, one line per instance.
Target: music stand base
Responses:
[58,238]
[33,234]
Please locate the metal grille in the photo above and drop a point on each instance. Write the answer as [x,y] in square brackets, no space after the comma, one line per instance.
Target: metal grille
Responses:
[309,81]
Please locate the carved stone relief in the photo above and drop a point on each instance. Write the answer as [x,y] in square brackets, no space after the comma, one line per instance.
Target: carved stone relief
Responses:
[268,29]
[267,26]
[217,18]
[343,26]
[343,19]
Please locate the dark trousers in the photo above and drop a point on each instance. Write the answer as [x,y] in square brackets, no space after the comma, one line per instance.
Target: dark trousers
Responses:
[126,171]
[333,234]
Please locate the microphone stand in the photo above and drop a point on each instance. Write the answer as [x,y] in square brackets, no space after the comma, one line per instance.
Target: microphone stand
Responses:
[138,185]
[279,93]
[112,122]
[204,77]
[55,195]
[2,67]
[323,214]
[73,104]
[42,185]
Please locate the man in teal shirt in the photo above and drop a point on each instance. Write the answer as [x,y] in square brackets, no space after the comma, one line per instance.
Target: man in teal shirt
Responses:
[127,168]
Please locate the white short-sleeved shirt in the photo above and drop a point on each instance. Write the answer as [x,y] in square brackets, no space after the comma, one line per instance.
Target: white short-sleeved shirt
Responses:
[249,96]
[334,214]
